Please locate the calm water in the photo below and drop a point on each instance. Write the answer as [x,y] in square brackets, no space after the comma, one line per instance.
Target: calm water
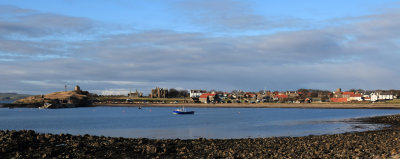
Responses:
[159,122]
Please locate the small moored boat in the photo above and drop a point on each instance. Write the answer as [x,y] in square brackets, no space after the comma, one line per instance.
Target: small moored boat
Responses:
[45,106]
[182,111]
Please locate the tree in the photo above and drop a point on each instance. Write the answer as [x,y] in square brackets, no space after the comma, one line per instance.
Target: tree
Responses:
[314,94]
[173,93]
[304,91]
[357,90]
[183,93]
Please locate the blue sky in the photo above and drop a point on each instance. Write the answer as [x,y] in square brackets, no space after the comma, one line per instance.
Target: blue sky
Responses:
[115,46]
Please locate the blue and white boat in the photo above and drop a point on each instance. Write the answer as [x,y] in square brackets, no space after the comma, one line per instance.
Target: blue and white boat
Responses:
[182,111]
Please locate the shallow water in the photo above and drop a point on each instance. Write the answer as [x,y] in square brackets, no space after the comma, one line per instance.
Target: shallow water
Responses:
[159,122]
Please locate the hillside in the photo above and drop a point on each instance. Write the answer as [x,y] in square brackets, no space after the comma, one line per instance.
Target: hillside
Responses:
[12,96]
[76,98]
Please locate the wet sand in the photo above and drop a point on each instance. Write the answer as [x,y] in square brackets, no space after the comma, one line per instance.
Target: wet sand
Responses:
[384,143]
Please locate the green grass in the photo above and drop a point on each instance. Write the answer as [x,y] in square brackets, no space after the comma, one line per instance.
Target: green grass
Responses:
[394,101]
[124,98]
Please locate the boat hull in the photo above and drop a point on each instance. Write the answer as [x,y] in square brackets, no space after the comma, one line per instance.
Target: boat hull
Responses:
[185,112]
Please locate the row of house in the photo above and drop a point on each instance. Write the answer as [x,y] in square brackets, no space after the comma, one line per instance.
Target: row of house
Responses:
[290,96]
[239,96]
[300,96]
[375,96]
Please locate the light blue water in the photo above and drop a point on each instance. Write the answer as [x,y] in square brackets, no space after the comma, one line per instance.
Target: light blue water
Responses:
[159,122]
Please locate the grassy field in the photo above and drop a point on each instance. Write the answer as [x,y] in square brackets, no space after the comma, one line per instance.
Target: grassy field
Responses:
[395,101]
[142,100]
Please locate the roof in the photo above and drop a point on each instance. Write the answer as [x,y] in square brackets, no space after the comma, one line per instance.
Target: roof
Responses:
[251,94]
[348,93]
[386,93]
[338,99]
[281,96]
[355,95]
[206,95]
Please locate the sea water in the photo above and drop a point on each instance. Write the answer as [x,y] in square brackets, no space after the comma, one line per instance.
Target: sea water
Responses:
[161,123]
[6,101]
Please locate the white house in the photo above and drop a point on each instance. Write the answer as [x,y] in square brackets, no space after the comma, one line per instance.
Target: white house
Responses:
[381,96]
[355,97]
[386,96]
[374,97]
[196,93]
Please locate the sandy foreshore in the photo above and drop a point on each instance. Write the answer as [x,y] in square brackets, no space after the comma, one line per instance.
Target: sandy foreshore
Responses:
[383,143]
[266,105]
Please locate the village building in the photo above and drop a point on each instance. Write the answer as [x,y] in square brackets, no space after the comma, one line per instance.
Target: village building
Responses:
[260,97]
[347,94]
[250,95]
[355,97]
[379,96]
[292,94]
[337,93]
[135,94]
[222,95]
[307,100]
[196,93]
[280,97]
[338,100]
[386,96]
[77,89]
[159,93]
[316,100]
[207,98]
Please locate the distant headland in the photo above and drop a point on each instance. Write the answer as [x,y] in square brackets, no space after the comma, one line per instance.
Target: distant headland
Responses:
[65,99]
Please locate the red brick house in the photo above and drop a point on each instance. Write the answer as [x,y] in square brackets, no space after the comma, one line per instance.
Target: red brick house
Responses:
[339,100]
[207,98]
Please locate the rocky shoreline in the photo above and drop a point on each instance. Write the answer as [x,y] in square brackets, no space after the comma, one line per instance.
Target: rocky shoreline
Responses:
[383,143]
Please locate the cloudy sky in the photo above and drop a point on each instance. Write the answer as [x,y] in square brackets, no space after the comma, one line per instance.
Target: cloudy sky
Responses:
[114,46]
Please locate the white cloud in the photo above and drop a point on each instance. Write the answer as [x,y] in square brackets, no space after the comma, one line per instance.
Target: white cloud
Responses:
[231,15]
[362,54]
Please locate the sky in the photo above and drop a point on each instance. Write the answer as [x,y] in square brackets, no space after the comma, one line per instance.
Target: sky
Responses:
[113,47]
